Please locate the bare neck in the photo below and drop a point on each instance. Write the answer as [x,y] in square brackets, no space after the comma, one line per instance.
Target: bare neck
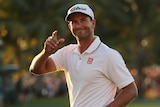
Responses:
[84,44]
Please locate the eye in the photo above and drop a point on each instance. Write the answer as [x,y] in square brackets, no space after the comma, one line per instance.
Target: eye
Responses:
[83,20]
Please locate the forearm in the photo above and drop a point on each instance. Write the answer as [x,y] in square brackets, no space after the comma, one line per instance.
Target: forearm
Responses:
[121,101]
[125,96]
[38,64]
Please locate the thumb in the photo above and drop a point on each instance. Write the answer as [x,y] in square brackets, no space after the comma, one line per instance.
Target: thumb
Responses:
[61,40]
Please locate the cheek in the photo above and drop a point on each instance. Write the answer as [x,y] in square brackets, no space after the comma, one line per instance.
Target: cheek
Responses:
[70,26]
[72,29]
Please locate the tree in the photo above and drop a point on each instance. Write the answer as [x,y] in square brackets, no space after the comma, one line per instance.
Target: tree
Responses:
[130,26]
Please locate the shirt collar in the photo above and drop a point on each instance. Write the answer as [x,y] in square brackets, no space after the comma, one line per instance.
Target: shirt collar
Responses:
[94,45]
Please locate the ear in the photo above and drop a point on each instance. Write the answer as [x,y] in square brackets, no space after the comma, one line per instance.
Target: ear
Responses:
[94,23]
[69,26]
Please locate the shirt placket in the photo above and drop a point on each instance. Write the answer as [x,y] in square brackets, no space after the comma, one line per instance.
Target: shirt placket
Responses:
[79,62]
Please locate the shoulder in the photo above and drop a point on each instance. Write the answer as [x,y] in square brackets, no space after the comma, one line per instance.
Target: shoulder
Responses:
[66,49]
[106,50]
[69,47]
[61,53]
[109,54]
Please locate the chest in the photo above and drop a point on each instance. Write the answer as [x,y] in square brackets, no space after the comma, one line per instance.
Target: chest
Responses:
[86,68]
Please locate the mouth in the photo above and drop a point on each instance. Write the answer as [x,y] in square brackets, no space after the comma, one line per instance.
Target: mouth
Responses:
[80,30]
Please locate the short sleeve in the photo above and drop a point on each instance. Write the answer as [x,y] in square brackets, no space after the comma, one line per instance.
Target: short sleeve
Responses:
[117,70]
[58,59]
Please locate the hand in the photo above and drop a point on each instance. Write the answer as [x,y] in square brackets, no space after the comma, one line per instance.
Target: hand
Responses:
[52,43]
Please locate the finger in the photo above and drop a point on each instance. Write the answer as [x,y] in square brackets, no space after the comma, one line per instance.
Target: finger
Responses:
[51,42]
[61,40]
[54,34]
[49,46]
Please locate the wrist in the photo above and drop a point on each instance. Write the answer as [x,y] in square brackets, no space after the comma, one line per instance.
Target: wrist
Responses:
[45,53]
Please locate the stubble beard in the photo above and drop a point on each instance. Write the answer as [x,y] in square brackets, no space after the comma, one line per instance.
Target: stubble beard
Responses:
[82,35]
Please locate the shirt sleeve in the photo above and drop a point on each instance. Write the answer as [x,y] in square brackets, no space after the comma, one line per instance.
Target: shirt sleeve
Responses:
[61,56]
[117,70]
[57,57]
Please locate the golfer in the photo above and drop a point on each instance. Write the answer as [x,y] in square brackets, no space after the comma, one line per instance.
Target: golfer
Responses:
[93,71]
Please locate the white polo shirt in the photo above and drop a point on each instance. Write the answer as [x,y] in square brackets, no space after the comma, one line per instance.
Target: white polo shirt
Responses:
[92,77]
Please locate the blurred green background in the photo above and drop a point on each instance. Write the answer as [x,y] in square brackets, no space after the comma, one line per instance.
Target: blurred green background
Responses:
[129,26]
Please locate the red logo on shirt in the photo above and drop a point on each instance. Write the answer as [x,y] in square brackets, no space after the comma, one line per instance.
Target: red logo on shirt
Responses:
[90,60]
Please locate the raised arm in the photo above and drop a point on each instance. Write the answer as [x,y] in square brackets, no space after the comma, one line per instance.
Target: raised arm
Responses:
[41,63]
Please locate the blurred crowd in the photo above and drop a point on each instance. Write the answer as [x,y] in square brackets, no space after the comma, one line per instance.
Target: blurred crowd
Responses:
[152,81]
[26,87]
[148,81]
[22,86]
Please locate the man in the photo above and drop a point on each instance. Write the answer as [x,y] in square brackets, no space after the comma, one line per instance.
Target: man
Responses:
[93,71]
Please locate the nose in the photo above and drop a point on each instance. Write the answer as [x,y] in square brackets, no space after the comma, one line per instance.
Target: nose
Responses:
[78,25]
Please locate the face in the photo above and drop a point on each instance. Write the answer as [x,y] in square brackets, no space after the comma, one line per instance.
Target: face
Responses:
[81,26]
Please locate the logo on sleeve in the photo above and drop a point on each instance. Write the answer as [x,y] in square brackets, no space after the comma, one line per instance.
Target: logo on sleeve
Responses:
[90,61]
